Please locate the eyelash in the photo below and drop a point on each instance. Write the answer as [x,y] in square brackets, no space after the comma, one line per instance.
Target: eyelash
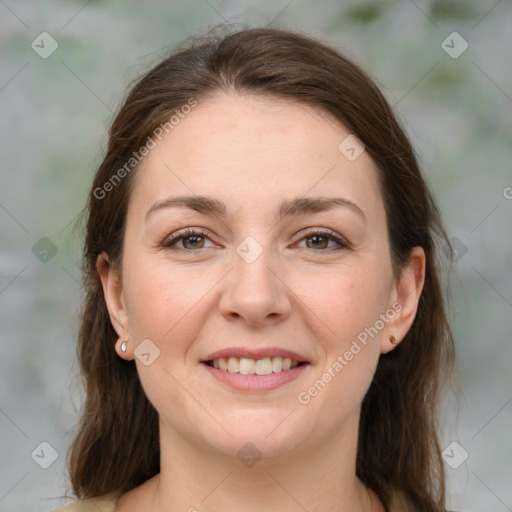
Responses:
[169,243]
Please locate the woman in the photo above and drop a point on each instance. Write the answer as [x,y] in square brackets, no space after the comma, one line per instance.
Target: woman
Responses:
[264,326]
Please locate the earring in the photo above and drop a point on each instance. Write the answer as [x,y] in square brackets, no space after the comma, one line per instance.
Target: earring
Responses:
[123,345]
[393,340]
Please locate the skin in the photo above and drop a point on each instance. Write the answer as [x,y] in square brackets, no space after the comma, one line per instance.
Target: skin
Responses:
[251,153]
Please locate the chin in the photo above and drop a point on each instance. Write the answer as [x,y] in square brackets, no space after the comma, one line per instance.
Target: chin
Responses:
[258,433]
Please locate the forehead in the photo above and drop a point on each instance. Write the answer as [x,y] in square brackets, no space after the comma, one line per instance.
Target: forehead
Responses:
[249,150]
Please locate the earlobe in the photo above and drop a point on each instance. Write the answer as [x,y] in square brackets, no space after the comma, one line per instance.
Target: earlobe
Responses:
[407,294]
[113,295]
[124,350]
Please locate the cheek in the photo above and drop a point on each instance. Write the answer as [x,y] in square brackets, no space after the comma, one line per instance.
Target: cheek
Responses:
[161,300]
[164,306]
[347,300]
[347,304]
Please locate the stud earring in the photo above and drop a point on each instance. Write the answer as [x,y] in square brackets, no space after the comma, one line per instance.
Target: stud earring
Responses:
[123,346]
[393,340]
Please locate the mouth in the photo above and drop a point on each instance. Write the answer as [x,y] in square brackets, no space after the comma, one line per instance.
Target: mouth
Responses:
[255,375]
[247,366]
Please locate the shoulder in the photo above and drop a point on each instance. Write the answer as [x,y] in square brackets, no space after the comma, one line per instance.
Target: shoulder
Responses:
[399,503]
[105,503]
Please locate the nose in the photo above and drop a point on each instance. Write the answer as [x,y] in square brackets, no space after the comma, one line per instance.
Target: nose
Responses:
[254,289]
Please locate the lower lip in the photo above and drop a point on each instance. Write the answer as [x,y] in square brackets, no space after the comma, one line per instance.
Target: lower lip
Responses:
[268,382]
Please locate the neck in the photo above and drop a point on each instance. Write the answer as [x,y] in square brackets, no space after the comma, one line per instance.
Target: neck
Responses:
[320,477]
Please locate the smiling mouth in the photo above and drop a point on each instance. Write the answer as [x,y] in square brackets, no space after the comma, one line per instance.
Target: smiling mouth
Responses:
[247,366]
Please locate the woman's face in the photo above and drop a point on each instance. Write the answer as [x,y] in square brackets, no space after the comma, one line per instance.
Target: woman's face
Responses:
[254,276]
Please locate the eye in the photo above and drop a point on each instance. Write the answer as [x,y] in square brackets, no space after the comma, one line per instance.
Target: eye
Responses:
[319,239]
[191,239]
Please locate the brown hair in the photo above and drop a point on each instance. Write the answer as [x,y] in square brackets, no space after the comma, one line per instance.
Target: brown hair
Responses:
[117,444]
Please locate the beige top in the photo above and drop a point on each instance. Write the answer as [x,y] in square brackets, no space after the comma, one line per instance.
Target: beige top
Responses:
[105,503]
[108,502]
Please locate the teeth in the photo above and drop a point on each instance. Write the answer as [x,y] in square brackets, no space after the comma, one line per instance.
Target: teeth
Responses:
[263,366]
[248,366]
[233,365]
[277,364]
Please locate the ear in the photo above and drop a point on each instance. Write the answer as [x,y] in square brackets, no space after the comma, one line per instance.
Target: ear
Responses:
[406,296]
[114,299]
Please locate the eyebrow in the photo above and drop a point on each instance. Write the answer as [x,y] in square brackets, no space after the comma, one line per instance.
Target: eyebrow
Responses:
[298,206]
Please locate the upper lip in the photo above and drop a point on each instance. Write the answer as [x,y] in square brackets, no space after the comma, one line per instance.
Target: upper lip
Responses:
[256,354]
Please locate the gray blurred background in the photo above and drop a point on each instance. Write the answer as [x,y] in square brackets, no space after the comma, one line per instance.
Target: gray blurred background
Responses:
[446,66]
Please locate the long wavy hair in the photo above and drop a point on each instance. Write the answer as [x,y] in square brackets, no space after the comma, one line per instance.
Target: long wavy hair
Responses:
[116,447]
